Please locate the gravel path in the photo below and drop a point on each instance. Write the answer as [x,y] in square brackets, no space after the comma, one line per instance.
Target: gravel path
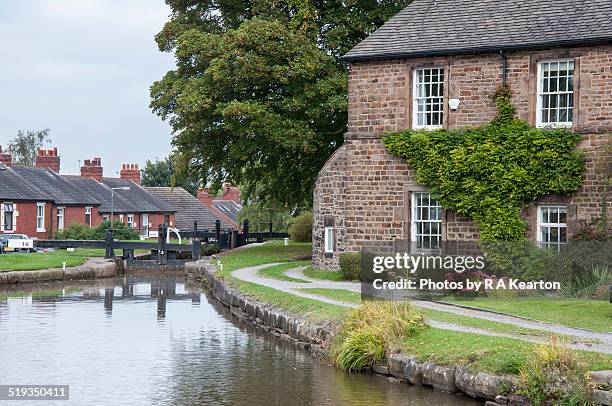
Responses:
[604,345]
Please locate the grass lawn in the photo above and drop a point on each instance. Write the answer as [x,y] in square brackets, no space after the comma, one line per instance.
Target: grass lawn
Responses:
[44,260]
[483,353]
[588,314]
[323,275]
[352,297]
[276,251]
[336,294]
[278,271]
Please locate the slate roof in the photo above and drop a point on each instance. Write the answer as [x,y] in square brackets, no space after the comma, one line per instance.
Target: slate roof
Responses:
[228,207]
[135,200]
[188,209]
[14,187]
[30,183]
[447,27]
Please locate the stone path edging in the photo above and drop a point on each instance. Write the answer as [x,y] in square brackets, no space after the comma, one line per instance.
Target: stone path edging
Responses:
[92,268]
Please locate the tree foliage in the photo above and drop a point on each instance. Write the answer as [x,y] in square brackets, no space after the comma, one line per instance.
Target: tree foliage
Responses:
[489,173]
[162,173]
[24,147]
[259,95]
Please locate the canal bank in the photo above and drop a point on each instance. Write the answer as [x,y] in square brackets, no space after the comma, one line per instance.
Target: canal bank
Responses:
[316,339]
[92,268]
[445,377]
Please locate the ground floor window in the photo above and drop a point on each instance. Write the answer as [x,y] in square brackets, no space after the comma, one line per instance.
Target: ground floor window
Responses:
[8,210]
[105,218]
[40,217]
[60,218]
[130,221]
[329,240]
[552,226]
[145,225]
[88,216]
[426,224]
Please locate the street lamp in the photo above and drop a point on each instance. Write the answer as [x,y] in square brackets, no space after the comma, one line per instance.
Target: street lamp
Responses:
[113,202]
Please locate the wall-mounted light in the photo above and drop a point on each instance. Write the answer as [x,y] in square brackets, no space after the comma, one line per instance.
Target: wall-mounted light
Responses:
[453,104]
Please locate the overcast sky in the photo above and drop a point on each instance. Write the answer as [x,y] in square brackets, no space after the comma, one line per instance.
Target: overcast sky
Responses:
[83,68]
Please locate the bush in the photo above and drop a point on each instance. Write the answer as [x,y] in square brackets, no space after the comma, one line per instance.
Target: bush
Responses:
[371,330]
[301,228]
[77,231]
[350,265]
[210,249]
[593,284]
[554,375]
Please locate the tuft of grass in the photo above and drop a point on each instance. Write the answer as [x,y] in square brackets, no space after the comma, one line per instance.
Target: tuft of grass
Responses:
[322,274]
[278,271]
[369,331]
[46,260]
[554,374]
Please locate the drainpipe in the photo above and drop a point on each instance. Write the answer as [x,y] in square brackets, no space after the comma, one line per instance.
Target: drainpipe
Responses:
[504,67]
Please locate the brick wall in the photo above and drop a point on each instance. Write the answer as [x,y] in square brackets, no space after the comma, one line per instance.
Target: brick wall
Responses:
[365,192]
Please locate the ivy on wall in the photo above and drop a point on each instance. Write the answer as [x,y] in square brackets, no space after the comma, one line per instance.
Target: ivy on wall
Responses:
[489,173]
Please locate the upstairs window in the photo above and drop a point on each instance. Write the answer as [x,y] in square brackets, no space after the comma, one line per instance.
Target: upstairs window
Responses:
[426,225]
[428,98]
[552,226]
[555,93]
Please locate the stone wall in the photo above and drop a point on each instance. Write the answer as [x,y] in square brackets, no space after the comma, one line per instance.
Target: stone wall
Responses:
[364,192]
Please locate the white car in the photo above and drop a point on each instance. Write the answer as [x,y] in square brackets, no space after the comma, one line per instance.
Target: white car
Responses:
[16,243]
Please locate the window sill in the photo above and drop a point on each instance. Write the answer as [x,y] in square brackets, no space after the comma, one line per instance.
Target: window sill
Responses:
[555,125]
[41,230]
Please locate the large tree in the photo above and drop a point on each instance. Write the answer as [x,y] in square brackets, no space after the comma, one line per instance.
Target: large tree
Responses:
[259,95]
[24,147]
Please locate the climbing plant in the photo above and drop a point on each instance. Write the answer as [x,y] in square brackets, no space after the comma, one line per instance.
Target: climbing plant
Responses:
[489,173]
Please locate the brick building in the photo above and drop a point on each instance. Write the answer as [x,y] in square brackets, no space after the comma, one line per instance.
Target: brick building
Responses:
[38,201]
[555,57]
[226,207]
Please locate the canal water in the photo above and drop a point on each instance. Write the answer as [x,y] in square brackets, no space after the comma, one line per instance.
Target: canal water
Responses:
[148,340]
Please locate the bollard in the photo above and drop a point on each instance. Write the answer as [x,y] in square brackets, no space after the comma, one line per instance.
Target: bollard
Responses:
[286,241]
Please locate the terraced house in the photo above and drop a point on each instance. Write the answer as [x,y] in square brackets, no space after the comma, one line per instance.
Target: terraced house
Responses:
[38,201]
[435,65]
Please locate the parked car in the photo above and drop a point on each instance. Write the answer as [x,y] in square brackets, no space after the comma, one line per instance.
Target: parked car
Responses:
[16,243]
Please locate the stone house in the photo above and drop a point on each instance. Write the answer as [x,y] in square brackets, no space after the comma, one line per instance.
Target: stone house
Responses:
[435,65]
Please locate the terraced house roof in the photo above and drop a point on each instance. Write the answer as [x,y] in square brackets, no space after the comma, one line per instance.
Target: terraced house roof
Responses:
[188,209]
[27,183]
[447,27]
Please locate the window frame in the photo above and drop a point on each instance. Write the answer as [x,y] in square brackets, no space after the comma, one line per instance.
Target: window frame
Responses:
[329,240]
[40,217]
[13,217]
[130,223]
[60,224]
[415,99]
[145,224]
[414,236]
[559,225]
[539,94]
[88,218]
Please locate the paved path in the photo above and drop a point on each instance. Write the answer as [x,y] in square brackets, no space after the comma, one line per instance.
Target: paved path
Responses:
[604,345]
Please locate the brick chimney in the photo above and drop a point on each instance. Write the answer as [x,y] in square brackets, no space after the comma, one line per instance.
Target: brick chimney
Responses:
[130,172]
[205,197]
[48,158]
[231,193]
[5,158]
[92,168]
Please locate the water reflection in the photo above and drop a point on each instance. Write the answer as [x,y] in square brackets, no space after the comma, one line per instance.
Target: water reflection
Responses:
[151,340]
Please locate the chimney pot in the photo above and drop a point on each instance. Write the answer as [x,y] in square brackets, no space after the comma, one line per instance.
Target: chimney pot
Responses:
[48,158]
